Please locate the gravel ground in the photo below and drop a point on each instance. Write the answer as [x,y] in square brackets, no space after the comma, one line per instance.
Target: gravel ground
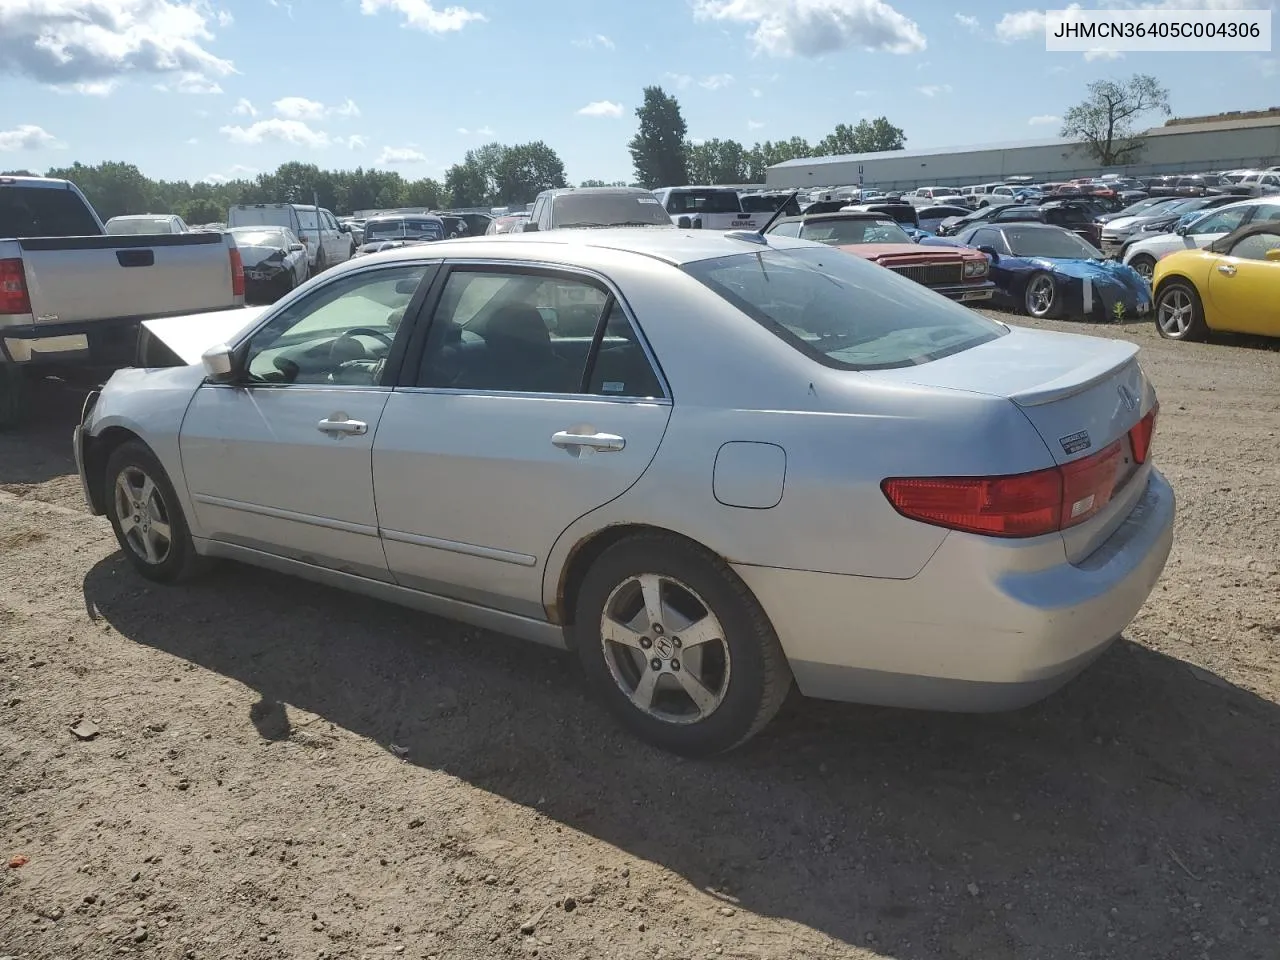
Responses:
[282,772]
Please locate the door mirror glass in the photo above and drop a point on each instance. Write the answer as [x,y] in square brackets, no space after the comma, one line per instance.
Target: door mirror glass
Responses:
[531,226]
[219,363]
[296,248]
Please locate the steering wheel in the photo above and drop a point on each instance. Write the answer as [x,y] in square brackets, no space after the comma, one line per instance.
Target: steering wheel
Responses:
[368,332]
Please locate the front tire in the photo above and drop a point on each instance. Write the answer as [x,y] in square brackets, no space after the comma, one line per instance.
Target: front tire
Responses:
[1144,265]
[146,516]
[1040,297]
[1179,312]
[676,645]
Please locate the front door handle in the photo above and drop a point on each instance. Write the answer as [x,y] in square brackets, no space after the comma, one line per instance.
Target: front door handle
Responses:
[339,424]
[604,442]
[1226,269]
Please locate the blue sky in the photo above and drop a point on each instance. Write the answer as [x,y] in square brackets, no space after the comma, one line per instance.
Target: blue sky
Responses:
[197,89]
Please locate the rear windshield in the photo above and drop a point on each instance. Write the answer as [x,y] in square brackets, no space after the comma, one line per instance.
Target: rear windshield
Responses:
[254,237]
[703,201]
[138,227]
[844,311]
[607,210]
[766,203]
[403,230]
[44,212]
[850,231]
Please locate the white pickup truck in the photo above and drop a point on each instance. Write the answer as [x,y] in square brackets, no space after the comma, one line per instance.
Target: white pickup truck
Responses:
[72,295]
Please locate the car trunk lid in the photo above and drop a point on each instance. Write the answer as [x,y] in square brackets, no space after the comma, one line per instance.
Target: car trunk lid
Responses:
[1082,394]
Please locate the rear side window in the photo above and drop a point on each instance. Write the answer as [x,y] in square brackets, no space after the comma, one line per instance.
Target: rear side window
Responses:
[843,311]
[1255,247]
[44,212]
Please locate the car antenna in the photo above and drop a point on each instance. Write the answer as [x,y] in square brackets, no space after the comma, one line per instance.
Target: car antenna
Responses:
[757,236]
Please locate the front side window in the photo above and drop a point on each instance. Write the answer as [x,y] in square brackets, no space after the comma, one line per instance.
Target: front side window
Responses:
[843,311]
[533,332]
[340,334]
[989,238]
[1255,246]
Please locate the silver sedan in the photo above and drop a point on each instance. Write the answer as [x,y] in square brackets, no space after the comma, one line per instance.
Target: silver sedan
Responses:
[709,464]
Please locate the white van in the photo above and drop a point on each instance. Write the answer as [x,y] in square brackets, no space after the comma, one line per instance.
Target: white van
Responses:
[327,241]
[708,208]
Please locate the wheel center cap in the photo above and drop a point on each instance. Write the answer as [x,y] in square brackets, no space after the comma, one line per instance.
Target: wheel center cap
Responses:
[663,647]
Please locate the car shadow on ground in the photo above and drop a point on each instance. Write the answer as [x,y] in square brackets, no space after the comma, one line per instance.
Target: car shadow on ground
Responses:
[40,448]
[1135,813]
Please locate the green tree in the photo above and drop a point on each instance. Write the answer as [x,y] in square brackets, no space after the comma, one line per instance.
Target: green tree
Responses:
[522,171]
[717,161]
[867,137]
[762,156]
[423,193]
[113,188]
[658,150]
[1104,122]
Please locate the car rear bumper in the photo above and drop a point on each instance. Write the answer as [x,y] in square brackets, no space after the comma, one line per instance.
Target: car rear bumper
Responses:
[985,626]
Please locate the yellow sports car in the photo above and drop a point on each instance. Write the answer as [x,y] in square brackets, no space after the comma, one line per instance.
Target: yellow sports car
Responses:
[1232,285]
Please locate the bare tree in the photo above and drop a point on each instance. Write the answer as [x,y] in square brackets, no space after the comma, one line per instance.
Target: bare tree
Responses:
[1104,122]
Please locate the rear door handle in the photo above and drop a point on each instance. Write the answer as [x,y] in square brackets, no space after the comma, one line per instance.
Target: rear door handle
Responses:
[604,442]
[338,424]
[1226,269]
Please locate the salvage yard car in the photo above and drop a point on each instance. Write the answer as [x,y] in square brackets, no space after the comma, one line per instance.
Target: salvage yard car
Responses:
[398,230]
[955,273]
[761,459]
[590,208]
[275,261]
[1050,272]
[1143,254]
[70,295]
[1230,286]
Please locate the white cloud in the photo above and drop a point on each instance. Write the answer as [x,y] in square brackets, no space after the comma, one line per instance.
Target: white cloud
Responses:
[862,93]
[477,132]
[423,15]
[192,141]
[968,22]
[1102,54]
[601,108]
[599,41]
[716,81]
[348,108]
[275,129]
[353,142]
[756,92]
[91,88]
[678,80]
[754,125]
[391,156]
[932,90]
[244,108]
[26,136]
[811,28]
[299,108]
[1025,24]
[237,172]
[1044,120]
[63,42]
[191,83]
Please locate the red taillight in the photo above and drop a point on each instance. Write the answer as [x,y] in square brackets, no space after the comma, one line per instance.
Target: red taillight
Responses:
[237,274]
[1022,505]
[14,298]
[1141,434]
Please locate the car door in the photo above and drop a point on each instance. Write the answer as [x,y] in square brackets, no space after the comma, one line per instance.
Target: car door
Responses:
[533,403]
[337,246]
[1244,285]
[279,461]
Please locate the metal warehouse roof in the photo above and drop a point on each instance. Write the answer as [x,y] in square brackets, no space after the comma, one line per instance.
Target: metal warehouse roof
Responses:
[1164,131]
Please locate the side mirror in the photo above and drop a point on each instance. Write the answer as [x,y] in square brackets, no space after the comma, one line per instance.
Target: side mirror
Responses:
[296,248]
[530,227]
[684,223]
[219,363]
[990,251]
[1273,254]
[1181,229]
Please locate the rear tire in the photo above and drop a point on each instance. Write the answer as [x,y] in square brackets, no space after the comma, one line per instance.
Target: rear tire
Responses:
[1179,312]
[701,695]
[146,516]
[13,395]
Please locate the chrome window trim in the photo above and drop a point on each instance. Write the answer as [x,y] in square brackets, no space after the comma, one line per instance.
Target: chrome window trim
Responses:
[525,394]
[517,265]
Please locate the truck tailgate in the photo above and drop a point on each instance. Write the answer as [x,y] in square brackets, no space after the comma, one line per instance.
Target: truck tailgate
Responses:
[76,279]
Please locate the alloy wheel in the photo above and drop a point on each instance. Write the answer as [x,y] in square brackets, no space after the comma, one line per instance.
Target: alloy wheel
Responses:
[1175,312]
[665,649]
[1040,296]
[143,516]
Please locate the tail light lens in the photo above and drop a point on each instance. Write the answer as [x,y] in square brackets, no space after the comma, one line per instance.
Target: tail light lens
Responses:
[1026,504]
[237,273]
[14,298]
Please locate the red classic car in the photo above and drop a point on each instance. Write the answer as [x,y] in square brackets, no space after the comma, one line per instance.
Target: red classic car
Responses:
[958,272]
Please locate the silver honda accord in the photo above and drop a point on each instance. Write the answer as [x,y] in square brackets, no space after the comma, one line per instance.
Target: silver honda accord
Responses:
[709,464]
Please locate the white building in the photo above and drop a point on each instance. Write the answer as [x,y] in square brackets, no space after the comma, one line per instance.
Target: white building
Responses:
[1224,142]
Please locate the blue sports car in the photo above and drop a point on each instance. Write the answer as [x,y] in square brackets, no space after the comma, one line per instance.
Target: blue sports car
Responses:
[1051,272]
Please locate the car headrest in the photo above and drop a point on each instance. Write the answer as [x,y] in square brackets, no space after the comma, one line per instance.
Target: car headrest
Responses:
[518,323]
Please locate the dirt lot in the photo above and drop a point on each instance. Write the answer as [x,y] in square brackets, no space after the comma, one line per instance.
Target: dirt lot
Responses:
[243,799]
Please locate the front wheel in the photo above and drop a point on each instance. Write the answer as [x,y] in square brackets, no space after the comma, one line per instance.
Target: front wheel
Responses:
[146,516]
[1040,299]
[1179,312]
[1144,265]
[677,646]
